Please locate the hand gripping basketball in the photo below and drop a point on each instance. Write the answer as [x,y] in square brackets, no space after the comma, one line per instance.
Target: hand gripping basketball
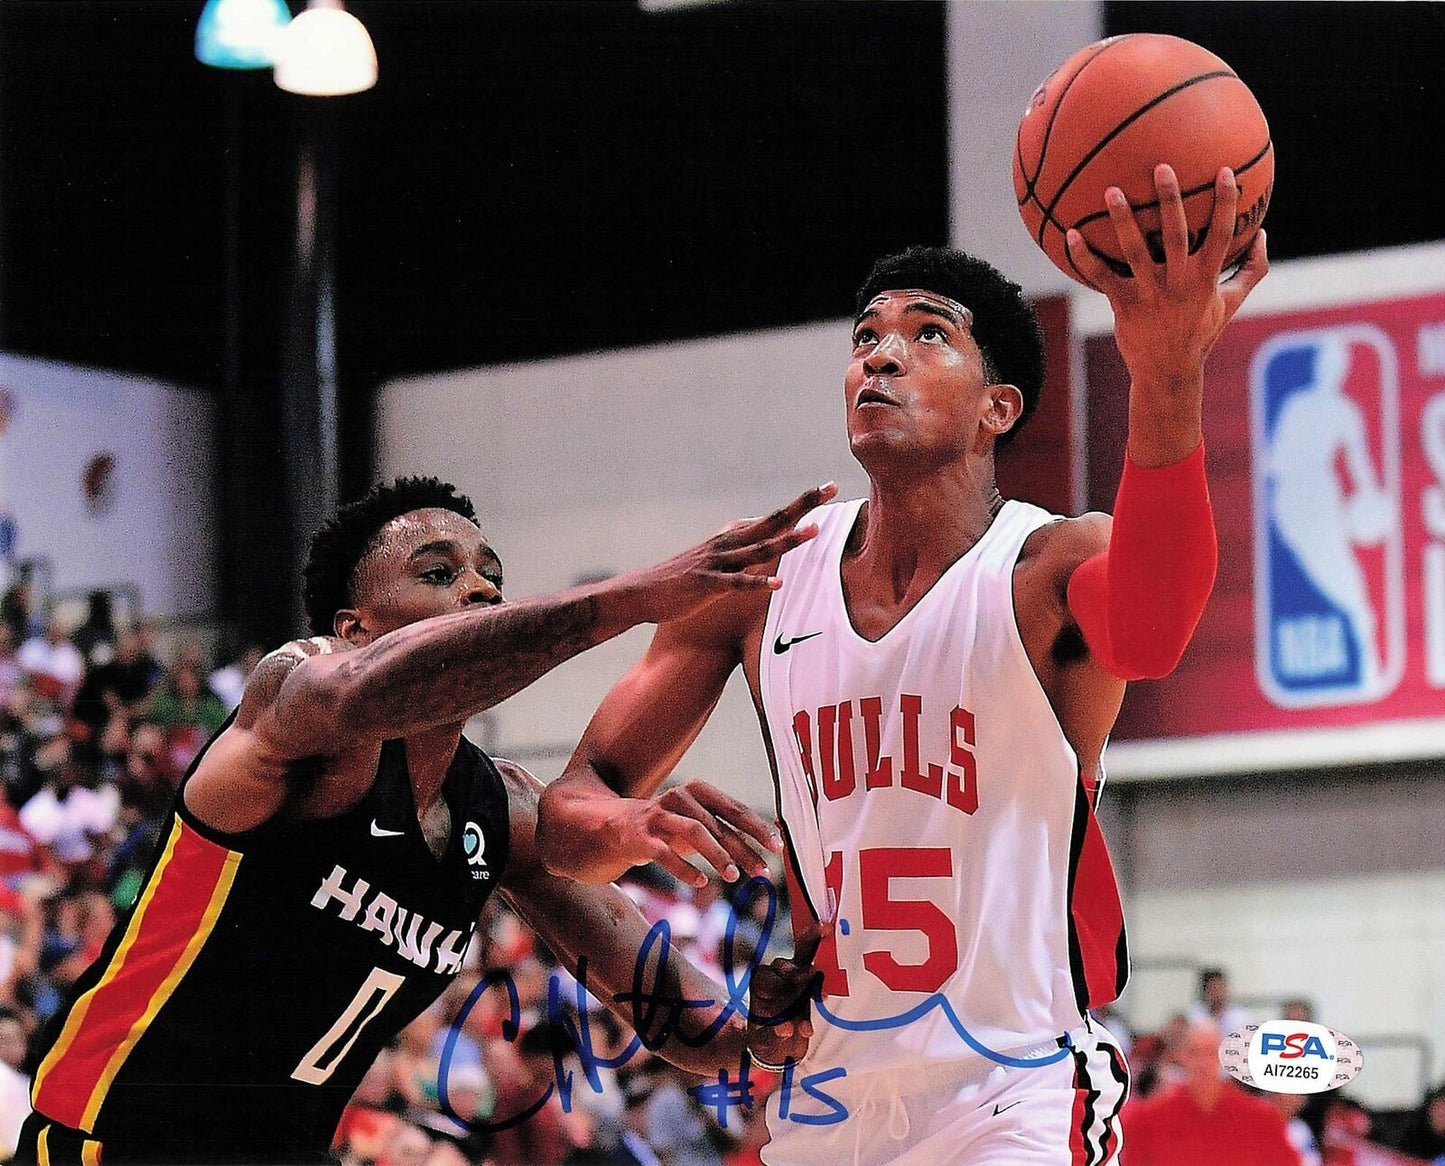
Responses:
[780,998]
[1111,113]
[1168,315]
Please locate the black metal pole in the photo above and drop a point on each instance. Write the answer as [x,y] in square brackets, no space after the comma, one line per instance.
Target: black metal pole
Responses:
[308,382]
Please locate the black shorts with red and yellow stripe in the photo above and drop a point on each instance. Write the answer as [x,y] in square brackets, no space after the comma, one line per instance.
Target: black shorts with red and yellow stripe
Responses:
[44,1142]
[47,1143]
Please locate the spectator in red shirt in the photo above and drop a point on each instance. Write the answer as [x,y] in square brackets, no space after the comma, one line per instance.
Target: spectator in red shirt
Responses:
[21,928]
[366,1126]
[21,856]
[1206,1119]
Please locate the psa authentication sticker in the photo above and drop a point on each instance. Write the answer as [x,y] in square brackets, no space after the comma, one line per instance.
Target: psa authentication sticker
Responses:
[1291,1056]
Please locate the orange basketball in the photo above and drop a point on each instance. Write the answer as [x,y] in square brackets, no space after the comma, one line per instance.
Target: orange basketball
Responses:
[1115,110]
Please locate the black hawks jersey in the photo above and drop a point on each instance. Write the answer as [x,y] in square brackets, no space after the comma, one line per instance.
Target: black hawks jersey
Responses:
[237,1005]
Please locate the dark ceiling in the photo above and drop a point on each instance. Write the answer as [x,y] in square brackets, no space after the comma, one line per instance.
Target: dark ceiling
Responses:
[530,179]
[526,179]
[536,178]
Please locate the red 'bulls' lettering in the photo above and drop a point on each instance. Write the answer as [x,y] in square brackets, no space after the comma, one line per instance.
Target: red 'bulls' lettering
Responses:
[832,768]
[880,770]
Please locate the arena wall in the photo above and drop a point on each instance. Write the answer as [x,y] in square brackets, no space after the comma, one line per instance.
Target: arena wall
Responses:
[595,464]
[149,522]
[997,55]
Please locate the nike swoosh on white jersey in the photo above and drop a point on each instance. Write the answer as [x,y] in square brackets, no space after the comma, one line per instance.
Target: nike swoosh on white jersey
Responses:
[379,832]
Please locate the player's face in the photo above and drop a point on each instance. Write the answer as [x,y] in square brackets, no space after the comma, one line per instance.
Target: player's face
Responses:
[916,384]
[426,563]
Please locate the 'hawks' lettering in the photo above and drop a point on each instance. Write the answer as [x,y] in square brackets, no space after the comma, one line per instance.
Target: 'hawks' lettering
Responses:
[382,914]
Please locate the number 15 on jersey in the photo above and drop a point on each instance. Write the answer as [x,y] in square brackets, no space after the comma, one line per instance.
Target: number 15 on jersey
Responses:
[874,871]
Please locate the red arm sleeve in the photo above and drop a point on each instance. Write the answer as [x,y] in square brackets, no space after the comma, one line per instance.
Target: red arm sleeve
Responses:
[1138,601]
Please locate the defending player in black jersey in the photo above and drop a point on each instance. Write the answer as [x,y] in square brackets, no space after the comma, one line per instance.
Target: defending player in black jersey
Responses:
[332,846]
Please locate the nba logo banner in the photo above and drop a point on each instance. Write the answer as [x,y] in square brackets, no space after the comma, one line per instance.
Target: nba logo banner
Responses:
[1328,533]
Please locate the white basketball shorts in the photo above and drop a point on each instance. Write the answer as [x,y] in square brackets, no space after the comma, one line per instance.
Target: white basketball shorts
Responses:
[1061,1114]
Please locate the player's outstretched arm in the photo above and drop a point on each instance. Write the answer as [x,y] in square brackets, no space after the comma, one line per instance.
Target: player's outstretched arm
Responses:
[442,670]
[323,698]
[603,925]
[1139,601]
[599,818]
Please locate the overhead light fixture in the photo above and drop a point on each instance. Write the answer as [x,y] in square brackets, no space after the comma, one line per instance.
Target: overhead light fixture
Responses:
[325,52]
[240,34]
[677,5]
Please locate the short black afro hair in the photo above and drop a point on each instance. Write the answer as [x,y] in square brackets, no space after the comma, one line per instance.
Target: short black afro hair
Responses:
[1005,326]
[339,546]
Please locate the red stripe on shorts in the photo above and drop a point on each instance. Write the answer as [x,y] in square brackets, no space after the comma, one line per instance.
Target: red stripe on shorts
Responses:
[1078,1148]
[174,915]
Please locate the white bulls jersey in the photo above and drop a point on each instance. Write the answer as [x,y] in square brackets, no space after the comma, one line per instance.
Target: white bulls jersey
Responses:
[928,791]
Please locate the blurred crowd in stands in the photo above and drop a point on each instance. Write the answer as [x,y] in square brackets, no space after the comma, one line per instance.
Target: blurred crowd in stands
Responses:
[1184,1110]
[98,723]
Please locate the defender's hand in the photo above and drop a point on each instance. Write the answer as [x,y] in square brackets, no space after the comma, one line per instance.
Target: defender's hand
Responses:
[690,819]
[780,998]
[1168,315]
[733,559]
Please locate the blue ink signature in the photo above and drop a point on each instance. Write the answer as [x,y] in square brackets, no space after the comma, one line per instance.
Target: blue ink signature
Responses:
[656,1016]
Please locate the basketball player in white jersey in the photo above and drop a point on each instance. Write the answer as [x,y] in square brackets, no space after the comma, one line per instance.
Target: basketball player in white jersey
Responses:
[936,679]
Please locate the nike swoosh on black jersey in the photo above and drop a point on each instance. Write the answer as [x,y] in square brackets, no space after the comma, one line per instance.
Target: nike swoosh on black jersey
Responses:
[382,832]
[781,645]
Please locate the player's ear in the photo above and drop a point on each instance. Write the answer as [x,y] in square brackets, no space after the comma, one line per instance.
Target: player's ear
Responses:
[1005,407]
[349,624]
